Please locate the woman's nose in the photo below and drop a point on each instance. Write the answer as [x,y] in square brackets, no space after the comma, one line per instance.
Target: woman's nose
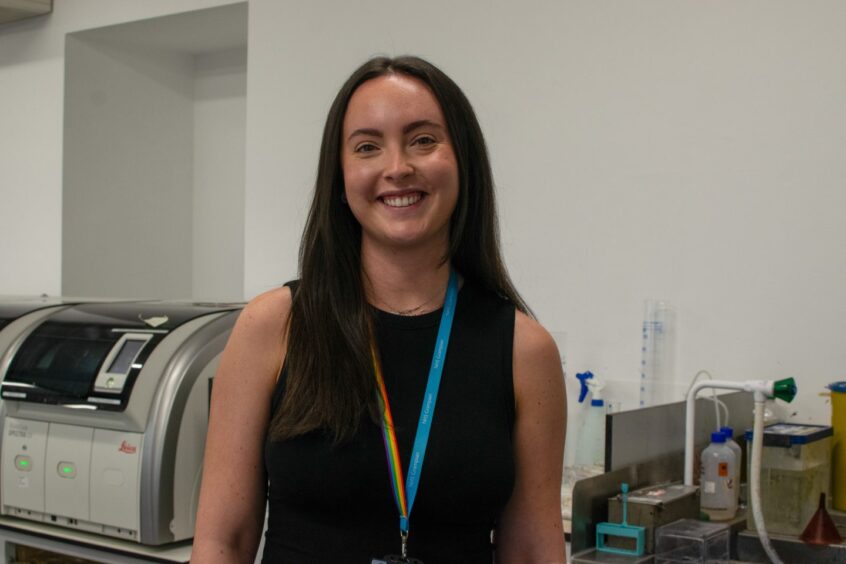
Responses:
[398,166]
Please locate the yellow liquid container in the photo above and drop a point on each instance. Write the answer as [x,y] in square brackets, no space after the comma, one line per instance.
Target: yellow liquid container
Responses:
[838,453]
[795,470]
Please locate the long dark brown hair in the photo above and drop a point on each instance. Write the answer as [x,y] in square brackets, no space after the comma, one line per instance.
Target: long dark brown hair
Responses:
[330,383]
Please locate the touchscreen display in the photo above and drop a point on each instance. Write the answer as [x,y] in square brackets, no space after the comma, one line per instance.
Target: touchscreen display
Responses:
[127,353]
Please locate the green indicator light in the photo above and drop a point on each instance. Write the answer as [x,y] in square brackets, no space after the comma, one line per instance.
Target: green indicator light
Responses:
[67,470]
[24,462]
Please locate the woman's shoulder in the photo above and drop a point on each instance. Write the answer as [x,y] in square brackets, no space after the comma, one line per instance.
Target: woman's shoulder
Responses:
[256,348]
[537,364]
[274,301]
[266,315]
[531,338]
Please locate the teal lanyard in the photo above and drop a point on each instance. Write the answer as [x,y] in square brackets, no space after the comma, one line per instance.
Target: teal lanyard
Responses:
[424,424]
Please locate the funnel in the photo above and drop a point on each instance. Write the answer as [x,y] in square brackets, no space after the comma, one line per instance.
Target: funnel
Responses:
[821,528]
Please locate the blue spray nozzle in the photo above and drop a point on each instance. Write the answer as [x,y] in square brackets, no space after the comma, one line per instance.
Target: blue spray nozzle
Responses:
[583,378]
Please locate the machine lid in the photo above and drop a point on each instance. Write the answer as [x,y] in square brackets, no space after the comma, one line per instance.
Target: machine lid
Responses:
[13,307]
[92,353]
[157,316]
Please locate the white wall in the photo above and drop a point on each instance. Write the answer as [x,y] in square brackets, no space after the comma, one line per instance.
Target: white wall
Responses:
[219,136]
[128,169]
[683,150]
[31,101]
[153,191]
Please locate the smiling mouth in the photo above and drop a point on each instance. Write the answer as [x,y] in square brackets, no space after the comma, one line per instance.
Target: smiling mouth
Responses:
[402,201]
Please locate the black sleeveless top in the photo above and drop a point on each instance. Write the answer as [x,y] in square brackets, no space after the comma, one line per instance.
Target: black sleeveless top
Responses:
[334,505]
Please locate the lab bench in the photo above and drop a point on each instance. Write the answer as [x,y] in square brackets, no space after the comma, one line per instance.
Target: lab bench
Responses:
[21,540]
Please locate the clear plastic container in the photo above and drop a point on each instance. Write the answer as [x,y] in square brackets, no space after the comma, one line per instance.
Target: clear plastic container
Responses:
[689,540]
[795,470]
[592,555]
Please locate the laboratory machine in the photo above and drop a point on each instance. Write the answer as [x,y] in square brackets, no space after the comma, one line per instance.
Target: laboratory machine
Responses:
[105,415]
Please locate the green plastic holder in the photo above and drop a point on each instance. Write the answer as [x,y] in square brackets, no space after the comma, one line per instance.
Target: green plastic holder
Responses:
[785,389]
[623,529]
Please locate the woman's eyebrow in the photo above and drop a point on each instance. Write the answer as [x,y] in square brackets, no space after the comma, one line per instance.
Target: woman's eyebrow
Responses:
[365,132]
[420,123]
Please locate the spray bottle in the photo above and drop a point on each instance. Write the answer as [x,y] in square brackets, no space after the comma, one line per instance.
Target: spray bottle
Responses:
[590,448]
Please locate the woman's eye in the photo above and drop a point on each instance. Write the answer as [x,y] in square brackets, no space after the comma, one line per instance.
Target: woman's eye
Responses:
[365,148]
[425,140]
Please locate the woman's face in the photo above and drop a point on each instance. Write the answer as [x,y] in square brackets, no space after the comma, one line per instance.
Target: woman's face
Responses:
[400,171]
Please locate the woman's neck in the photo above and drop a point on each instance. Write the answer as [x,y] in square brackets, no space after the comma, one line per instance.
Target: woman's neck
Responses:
[409,282]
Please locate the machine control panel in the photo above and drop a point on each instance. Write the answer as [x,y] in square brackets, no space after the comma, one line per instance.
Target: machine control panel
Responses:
[115,368]
[74,475]
[24,447]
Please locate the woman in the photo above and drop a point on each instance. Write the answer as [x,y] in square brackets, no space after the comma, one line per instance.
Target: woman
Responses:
[402,286]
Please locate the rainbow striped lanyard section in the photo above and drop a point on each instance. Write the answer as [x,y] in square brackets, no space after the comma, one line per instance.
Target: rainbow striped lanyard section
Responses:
[424,424]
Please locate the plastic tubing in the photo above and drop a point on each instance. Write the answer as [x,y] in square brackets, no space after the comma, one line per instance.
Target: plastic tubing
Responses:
[761,388]
[717,402]
[755,481]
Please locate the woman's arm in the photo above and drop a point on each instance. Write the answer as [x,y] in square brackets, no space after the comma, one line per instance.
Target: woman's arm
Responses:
[231,512]
[530,530]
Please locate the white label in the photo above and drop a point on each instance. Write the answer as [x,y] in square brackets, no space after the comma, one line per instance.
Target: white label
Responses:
[709,487]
